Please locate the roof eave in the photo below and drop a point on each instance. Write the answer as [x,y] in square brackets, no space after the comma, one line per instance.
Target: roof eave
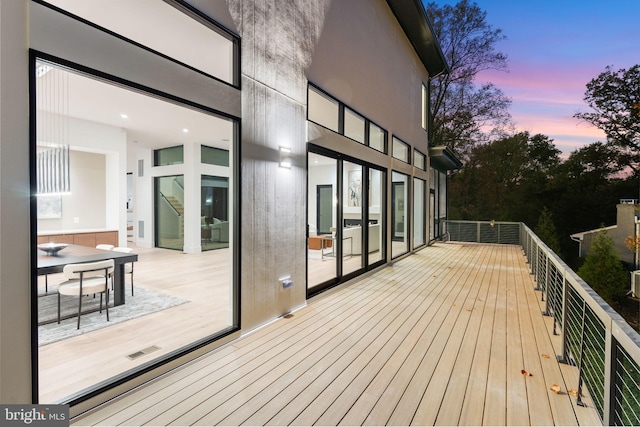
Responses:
[412,17]
[443,158]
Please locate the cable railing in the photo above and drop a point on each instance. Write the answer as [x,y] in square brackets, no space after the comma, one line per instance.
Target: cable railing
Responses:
[595,339]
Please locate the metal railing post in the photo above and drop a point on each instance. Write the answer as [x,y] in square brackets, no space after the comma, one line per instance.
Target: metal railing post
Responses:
[563,345]
[546,287]
[579,401]
[536,270]
[609,377]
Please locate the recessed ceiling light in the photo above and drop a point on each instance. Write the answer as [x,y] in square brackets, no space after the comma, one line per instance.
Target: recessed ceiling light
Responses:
[124,116]
[185,130]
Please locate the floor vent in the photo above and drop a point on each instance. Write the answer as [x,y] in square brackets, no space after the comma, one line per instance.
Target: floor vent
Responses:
[143,352]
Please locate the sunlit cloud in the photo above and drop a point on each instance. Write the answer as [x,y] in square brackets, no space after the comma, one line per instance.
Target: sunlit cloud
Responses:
[553,54]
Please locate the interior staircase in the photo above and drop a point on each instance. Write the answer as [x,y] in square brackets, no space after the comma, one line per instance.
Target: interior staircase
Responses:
[179,207]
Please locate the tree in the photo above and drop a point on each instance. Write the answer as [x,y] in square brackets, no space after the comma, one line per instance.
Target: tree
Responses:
[615,98]
[603,271]
[465,113]
[546,230]
[507,179]
[586,189]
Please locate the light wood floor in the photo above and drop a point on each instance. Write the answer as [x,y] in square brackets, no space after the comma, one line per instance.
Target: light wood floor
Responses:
[439,338]
[71,365]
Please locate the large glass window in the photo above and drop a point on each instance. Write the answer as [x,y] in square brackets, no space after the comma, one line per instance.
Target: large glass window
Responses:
[442,199]
[214,156]
[210,49]
[354,126]
[419,214]
[162,302]
[432,202]
[377,138]
[425,106]
[168,156]
[323,110]
[400,150]
[419,160]
[328,112]
[399,214]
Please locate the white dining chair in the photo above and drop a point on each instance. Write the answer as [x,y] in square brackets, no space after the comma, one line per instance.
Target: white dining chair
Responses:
[104,247]
[128,267]
[86,279]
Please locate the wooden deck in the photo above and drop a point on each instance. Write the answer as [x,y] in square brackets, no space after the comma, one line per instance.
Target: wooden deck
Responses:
[439,338]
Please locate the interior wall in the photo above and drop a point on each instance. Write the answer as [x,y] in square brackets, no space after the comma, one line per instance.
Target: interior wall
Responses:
[87,201]
[106,207]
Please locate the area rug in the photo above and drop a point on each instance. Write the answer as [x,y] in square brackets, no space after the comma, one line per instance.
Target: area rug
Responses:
[144,302]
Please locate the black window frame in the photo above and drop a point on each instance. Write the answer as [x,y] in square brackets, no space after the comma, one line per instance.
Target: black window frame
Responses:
[409,159]
[341,111]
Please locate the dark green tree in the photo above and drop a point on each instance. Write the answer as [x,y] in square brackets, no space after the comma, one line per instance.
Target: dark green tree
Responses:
[584,193]
[506,180]
[546,230]
[466,113]
[603,271]
[614,97]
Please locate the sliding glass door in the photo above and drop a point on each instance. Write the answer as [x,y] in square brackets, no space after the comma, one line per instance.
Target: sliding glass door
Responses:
[375,218]
[352,238]
[399,214]
[346,221]
[419,214]
[322,221]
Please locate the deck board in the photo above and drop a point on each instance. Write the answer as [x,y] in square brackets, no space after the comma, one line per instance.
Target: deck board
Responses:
[439,338]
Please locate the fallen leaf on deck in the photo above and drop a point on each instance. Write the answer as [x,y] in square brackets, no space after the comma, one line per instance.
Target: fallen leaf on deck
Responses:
[573,392]
[556,388]
[544,355]
[469,309]
[526,373]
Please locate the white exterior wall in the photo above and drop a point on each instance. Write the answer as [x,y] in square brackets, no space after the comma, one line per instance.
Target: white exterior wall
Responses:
[15,316]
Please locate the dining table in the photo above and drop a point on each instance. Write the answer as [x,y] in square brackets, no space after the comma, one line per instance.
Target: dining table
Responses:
[75,254]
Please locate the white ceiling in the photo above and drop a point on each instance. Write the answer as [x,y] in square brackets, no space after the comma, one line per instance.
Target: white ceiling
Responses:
[150,122]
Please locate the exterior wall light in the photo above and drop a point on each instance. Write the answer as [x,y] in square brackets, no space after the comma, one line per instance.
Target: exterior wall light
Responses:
[285,157]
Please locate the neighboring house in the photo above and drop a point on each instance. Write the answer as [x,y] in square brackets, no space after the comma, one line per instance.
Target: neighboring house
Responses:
[243,127]
[628,214]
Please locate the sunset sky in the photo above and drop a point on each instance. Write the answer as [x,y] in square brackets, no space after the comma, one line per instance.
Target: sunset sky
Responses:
[554,48]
